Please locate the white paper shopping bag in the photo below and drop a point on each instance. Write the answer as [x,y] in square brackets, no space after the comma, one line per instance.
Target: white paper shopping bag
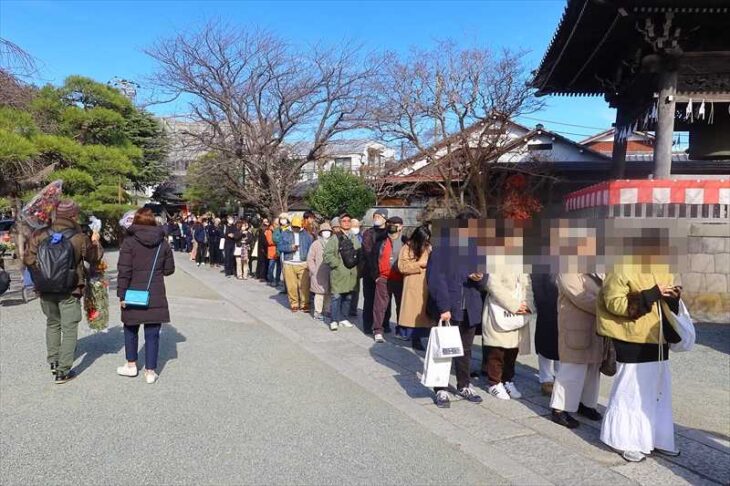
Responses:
[436,372]
[447,341]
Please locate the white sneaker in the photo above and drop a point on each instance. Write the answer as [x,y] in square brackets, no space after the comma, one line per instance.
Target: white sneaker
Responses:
[379,338]
[346,323]
[498,391]
[126,370]
[633,456]
[333,326]
[150,376]
[512,390]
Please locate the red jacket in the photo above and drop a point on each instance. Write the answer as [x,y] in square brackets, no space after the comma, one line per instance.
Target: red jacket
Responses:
[386,270]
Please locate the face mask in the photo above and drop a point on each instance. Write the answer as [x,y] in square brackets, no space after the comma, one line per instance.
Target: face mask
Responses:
[379,224]
[326,234]
[355,231]
[392,229]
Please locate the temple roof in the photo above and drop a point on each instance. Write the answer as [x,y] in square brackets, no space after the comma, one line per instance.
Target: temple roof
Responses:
[600,47]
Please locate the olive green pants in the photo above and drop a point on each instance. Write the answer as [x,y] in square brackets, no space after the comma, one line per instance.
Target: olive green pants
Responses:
[63,313]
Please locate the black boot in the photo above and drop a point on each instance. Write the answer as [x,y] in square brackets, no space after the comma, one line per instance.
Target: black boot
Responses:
[589,413]
[564,419]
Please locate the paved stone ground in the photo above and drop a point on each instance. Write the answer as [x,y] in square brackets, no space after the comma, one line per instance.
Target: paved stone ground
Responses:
[250,393]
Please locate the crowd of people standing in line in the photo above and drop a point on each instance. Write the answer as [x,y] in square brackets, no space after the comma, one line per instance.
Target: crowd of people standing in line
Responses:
[577,316]
[324,264]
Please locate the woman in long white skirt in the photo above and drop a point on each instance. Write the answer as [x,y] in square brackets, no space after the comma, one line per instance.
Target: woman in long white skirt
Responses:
[638,419]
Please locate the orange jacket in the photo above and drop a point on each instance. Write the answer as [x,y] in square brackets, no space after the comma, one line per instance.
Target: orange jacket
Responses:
[270,245]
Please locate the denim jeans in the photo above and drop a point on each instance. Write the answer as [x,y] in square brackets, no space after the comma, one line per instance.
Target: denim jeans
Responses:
[340,306]
[274,272]
[151,344]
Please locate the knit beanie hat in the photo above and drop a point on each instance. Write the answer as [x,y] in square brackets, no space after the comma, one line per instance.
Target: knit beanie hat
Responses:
[67,209]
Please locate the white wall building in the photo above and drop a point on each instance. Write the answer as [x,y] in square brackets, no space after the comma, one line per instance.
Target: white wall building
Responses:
[354,155]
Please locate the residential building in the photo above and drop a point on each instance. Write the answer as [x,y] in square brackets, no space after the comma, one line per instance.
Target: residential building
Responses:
[359,156]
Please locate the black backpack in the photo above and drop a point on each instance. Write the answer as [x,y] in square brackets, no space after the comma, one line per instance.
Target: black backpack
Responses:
[350,256]
[4,281]
[55,269]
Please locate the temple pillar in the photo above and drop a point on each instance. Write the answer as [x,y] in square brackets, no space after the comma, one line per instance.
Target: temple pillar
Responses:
[664,134]
[618,157]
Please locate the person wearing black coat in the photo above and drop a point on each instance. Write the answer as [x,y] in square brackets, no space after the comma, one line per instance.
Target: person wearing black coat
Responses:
[145,258]
[214,239]
[262,261]
[370,239]
[545,291]
[187,230]
[232,235]
[173,229]
[456,294]
[200,235]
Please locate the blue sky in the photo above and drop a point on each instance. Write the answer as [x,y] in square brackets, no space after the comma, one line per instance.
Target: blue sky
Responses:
[104,38]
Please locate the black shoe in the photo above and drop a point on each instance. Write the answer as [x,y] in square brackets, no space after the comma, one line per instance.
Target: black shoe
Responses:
[564,419]
[63,378]
[387,330]
[468,394]
[589,413]
[54,365]
[442,399]
[475,374]
[369,332]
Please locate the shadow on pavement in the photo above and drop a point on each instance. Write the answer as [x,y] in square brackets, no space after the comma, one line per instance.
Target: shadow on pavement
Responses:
[715,336]
[94,346]
[169,339]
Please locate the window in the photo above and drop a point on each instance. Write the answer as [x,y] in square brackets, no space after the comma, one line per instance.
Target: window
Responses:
[539,146]
[344,163]
[375,159]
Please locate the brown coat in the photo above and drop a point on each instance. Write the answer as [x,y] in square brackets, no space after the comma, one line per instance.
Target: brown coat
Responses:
[84,250]
[415,293]
[577,339]
[135,263]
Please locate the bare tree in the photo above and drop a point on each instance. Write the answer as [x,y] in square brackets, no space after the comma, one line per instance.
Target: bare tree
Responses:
[15,64]
[452,108]
[253,96]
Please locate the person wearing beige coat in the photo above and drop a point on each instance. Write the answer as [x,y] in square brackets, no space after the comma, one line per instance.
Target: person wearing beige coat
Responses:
[513,292]
[415,294]
[319,282]
[581,349]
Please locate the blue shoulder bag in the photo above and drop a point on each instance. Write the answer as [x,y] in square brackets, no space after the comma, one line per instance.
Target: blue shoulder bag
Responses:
[141,298]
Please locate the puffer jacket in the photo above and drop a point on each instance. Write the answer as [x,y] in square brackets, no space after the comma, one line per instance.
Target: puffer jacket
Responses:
[136,257]
[577,339]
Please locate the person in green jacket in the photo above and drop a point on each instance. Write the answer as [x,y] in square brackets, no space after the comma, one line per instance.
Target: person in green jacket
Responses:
[342,279]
